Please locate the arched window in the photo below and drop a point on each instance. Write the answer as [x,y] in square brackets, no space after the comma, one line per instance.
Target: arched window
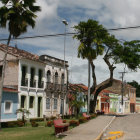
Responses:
[62,79]
[48,76]
[56,78]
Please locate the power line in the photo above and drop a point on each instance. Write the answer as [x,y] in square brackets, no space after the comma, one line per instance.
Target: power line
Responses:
[39,36]
[57,35]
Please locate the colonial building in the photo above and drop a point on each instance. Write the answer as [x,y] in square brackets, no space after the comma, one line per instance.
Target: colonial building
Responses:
[129,96]
[34,76]
[9,103]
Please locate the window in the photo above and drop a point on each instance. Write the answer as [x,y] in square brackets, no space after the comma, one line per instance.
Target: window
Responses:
[23,98]
[1,71]
[47,103]
[62,79]
[40,75]
[55,104]
[32,82]
[56,78]
[126,105]
[23,79]
[8,107]
[48,76]
[31,102]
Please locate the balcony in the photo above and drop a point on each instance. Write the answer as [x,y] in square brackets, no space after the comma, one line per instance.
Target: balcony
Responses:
[24,82]
[32,83]
[55,87]
[49,86]
[41,84]
[64,87]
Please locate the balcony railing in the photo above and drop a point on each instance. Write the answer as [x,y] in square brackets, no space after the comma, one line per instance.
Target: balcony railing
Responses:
[64,87]
[41,84]
[32,83]
[24,82]
[56,87]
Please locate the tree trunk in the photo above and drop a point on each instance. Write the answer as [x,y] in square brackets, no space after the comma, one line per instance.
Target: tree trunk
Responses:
[95,89]
[3,74]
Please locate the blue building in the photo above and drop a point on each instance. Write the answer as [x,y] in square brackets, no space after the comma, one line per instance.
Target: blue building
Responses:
[9,104]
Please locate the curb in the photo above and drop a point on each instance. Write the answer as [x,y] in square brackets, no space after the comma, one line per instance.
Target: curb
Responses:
[101,133]
[118,135]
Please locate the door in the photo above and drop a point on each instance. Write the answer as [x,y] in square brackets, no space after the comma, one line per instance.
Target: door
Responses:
[61,107]
[132,107]
[39,106]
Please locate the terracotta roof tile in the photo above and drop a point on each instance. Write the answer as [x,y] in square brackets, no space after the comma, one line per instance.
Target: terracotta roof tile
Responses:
[20,53]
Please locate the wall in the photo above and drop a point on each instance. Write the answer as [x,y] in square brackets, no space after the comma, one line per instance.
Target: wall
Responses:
[11,76]
[32,91]
[13,97]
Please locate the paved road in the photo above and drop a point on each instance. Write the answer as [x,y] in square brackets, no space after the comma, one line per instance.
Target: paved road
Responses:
[89,130]
[130,124]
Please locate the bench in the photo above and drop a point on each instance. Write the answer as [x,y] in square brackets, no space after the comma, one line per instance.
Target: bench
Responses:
[86,116]
[60,126]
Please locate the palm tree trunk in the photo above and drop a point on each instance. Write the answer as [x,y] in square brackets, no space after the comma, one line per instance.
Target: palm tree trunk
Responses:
[3,74]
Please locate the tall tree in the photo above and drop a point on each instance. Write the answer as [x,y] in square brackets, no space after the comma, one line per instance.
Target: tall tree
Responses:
[94,41]
[17,15]
[137,86]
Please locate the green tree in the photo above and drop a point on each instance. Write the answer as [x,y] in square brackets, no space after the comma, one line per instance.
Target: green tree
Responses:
[137,86]
[76,103]
[94,41]
[16,15]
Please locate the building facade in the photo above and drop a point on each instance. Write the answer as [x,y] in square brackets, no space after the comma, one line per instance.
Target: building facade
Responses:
[41,81]
[9,104]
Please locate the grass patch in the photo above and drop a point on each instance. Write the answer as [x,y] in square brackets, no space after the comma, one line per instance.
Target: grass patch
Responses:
[28,133]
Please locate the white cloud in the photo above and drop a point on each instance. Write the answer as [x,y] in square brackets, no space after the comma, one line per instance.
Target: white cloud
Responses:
[112,14]
[48,9]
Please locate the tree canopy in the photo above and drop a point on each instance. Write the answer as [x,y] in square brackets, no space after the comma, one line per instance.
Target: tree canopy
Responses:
[137,86]
[94,41]
[18,15]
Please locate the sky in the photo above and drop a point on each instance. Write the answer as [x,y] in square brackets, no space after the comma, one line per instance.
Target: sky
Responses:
[109,13]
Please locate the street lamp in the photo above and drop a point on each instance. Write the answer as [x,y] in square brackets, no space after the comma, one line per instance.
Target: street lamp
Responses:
[65,23]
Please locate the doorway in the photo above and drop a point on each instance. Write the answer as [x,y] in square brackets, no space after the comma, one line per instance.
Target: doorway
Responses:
[39,106]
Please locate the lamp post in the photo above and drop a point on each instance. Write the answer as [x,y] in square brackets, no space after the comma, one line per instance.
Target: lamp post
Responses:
[65,23]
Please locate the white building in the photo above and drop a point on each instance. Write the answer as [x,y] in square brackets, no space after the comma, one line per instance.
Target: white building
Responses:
[40,80]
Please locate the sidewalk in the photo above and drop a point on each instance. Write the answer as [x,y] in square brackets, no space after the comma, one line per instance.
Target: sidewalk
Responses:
[89,130]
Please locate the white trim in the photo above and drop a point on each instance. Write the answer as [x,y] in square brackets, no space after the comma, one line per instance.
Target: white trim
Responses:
[6,120]
[11,107]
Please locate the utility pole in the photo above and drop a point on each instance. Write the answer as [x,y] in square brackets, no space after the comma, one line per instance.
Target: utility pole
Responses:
[122,88]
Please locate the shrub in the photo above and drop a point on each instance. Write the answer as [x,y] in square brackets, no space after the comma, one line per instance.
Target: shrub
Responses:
[82,120]
[93,116]
[74,123]
[20,123]
[36,119]
[47,118]
[49,123]
[67,116]
[64,121]
[34,124]
[12,124]
[52,117]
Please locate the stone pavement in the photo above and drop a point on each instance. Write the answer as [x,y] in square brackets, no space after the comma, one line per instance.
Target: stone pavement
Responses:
[89,130]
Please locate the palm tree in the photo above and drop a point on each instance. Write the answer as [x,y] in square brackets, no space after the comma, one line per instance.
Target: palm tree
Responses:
[17,15]
[91,36]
